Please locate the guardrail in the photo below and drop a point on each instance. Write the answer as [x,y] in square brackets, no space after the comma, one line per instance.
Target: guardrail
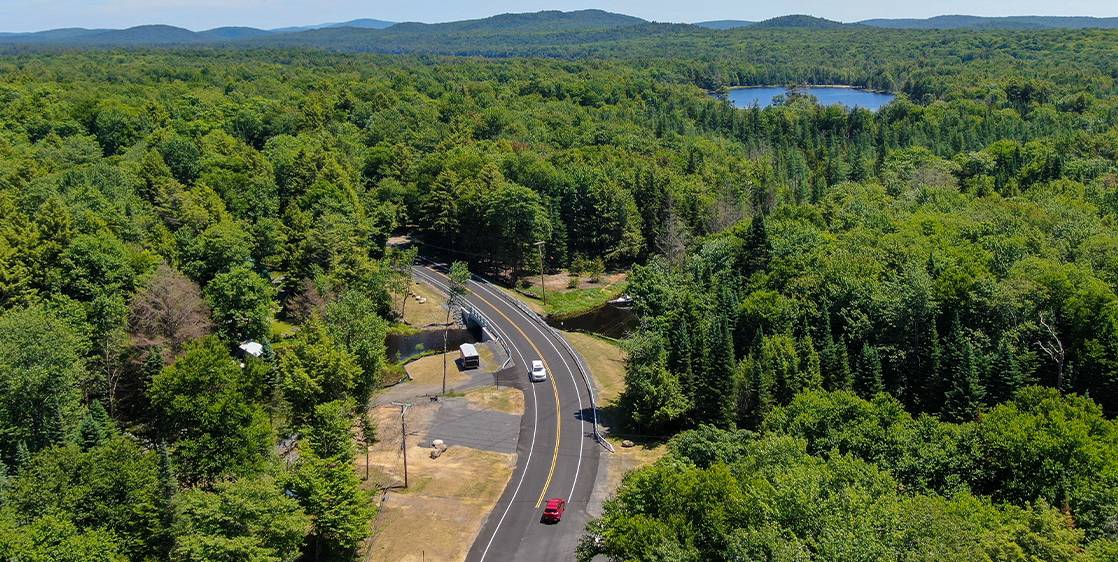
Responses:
[582,369]
[531,315]
[484,323]
[501,341]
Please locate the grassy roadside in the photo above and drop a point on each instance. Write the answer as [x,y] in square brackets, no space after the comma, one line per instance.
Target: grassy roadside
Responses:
[420,314]
[565,300]
[606,360]
[571,302]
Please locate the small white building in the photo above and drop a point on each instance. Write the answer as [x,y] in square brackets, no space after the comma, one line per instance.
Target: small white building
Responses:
[255,349]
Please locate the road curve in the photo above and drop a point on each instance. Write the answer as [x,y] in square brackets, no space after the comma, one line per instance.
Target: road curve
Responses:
[557,455]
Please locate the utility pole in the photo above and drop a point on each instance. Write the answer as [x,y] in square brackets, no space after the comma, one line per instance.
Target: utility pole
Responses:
[366,426]
[543,281]
[404,436]
[446,328]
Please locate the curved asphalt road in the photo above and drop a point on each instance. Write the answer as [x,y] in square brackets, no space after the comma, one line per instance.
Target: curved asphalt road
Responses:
[557,455]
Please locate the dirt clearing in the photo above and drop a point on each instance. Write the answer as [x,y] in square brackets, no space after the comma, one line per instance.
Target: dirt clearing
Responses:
[441,512]
[448,498]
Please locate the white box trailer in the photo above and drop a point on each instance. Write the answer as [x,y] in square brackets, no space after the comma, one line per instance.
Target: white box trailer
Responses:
[470,358]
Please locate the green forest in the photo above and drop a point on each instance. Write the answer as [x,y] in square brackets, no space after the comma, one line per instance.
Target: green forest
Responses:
[870,336]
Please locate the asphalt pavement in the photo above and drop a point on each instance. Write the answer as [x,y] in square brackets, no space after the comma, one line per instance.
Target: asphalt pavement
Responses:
[557,454]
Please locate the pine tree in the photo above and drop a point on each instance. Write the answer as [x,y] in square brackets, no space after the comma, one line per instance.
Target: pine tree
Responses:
[828,355]
[963,393]
[844,375]
[867,375]
[832,168]
[15,279]
[778,359]
[168,484]
[758,247]
[700,356]
[817,187]
[96,427]
[680,350]
[714,397]
[1005,375]
[23,455]
[858,171]
[917,297]
[810,372]
[879,153]
[440,208]
[929,388]
[758,396]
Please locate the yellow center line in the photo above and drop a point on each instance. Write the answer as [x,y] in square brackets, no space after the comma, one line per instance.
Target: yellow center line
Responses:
[554,390]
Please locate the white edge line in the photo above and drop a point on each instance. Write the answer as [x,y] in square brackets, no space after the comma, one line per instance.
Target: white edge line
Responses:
[567,366]
[531,446]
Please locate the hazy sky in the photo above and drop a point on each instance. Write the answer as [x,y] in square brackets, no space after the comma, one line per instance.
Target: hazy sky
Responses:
[32,15]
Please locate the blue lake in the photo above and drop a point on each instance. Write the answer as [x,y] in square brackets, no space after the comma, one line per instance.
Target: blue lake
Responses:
[850,97]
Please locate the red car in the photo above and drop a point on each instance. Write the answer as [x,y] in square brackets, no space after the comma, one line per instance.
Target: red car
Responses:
[553,511]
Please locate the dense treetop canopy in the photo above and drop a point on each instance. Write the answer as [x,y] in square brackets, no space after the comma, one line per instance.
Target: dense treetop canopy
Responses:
[907,317]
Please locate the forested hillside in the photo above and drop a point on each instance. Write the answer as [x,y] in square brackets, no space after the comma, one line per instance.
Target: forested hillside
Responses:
[882,335]
[1005,22]
[924,64]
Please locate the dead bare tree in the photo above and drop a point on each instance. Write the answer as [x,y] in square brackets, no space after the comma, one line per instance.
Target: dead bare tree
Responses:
[162,318]
[168,313]
[1053,348]
[672,241]
[726,212]
[113,362]
[309,300]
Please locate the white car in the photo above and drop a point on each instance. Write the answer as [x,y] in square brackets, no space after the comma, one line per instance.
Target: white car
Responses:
[538,372]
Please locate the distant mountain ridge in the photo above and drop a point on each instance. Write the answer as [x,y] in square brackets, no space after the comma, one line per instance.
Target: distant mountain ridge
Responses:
[535,22]
[800,21]
[362,23]
[512,32]
[549,20]
[139,35]
[937,22]
[158,34]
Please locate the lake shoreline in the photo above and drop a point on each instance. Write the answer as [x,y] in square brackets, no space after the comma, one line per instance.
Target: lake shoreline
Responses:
[834,94]
[846,86]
